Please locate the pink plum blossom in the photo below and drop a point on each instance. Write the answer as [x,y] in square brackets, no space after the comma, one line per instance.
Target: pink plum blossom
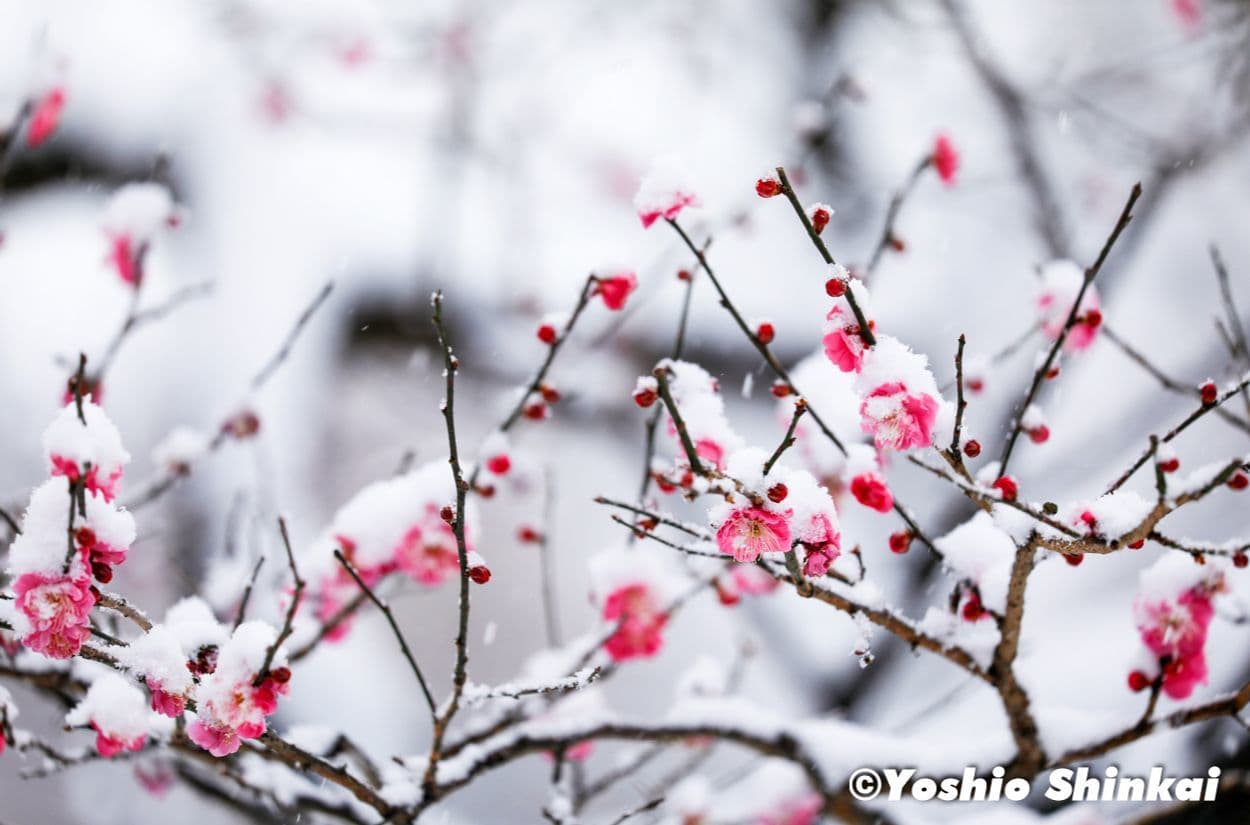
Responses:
[664,192]
[640,621]
[750,532]
[1061,282]
[57,608]
[45,116]
[897,418]
[844,347]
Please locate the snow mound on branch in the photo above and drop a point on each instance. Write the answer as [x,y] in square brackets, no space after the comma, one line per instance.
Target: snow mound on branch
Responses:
[980,551]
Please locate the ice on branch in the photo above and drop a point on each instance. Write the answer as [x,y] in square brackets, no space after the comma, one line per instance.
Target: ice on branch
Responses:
[664,192]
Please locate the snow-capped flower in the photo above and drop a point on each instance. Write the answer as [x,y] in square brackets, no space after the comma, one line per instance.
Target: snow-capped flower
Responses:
[750,532]
[157,657]
[819,214]
[633,589]
[1061,282]
[230,706]
[428,552]
[664,192]
[901,401]
[91,451]
[844,345]
[945,159]
[132,218]
[1173,611]
[56,608]
[616,289]
[45,116]
[117,711]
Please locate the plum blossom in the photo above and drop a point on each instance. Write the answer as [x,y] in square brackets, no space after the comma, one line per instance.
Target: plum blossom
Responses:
[45,116]
[390,526]
[945,159]
[56,608]
[871,491]
[1173,612]
[664,192]
[633,588]
[616,289]
[53,587]
[230,705]
[842,340]
[157,656]
[118,713]
[750,532]
[743,580]
[132,218]
[901,402]
[88,449]
[697,396]
[1061,283]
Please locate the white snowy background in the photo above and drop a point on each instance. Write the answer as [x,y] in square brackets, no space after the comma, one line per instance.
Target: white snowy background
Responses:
[492,149]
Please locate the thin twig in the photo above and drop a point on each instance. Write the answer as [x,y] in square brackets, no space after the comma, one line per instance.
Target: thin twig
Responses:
[390,619]
[289,623]
[1039,377]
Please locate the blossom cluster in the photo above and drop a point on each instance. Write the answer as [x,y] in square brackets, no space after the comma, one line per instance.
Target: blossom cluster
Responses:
[73,533]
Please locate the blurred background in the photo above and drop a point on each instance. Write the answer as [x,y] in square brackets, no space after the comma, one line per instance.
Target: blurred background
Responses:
[492,149]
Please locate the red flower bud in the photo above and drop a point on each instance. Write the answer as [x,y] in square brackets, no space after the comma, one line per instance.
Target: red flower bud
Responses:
[1074,559]
[780,389]
[1093,318]
[972,448]
[768,187]
[448,513]
[1138,681]
[645,397]
[1039,434]
[1240,560]
[900,542]
[777,493]
[765,333]
[547,333]
[549,393]
[1239,481]
[528,534]
[1007,488]
[480,574]
[499,464]
[820,219]
[1209,393]
[835,287]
